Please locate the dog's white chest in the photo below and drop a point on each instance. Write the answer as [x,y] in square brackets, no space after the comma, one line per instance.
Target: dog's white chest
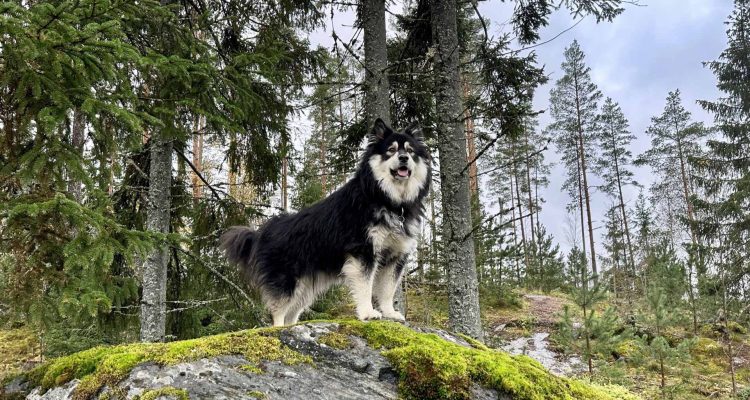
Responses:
[393,235]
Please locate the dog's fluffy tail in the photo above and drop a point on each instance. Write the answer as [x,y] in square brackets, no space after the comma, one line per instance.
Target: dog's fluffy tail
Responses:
[237,244]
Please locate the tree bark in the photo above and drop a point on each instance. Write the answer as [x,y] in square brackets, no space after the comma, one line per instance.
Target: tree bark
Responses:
[153,300]
[528,187]
[284,184]
[463,294]
[198,157]
[471,146]
[527,260]
[580,206]
[77,139]
[515,230]
[376,61]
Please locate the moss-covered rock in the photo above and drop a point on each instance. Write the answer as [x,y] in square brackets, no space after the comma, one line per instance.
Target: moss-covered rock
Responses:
[424,365]
[432,368]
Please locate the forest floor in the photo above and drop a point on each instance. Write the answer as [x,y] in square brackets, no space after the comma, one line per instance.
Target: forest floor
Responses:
[531,327]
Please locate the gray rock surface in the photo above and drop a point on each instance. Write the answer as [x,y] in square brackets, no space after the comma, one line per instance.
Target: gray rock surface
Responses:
[358,372]
[537,347]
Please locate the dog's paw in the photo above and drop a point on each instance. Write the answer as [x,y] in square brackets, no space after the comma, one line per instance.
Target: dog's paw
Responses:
[394,315]
[369,314]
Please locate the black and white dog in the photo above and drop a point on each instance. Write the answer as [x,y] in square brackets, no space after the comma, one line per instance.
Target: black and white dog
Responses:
[360,235]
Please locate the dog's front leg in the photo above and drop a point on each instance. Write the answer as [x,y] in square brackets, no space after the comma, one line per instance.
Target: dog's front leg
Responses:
[386,284]
[359,278]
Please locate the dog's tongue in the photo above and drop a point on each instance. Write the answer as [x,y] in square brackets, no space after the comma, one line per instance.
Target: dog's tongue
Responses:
[403,172]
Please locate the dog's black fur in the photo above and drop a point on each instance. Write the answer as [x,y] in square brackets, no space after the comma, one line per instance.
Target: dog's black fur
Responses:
[317,241]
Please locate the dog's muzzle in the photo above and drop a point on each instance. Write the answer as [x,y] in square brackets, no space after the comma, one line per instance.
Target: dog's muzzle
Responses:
[402,172]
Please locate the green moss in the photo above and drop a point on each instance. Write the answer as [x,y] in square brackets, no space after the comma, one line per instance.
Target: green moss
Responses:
[167,391]
[473,342]
[108,365]
[707,348]
[736,327]
[256,394]
[336,340]
[626,348]
[251,368]
[432,368]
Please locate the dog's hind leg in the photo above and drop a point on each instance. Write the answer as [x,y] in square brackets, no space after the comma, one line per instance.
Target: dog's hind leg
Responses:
[303,297]
[308,289]
[359,279]
[386,283]
[278,307]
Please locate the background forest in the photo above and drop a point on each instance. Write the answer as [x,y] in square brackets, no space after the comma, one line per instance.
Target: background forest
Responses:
[134,133]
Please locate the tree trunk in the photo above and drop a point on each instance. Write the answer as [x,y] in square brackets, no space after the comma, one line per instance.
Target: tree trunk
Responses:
[376,61]
[198,157]
[580,207]
[528,184]
[376,86]
[631,264]
[323,151]
[471,147]
[463,294]
[531,206]
[77,139]
[520,211]
[515,230]
[153,301]
[284,184]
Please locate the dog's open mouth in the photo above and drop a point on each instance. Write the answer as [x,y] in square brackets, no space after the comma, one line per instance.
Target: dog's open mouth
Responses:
[401,173]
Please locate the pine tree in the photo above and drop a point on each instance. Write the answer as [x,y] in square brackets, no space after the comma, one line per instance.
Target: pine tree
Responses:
[614,166]
[574,107]
[659,318]
[674,139]
[596,335]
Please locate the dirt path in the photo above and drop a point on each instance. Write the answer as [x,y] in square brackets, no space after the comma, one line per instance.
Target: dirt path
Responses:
[545,310]
[540,313]
[527,331]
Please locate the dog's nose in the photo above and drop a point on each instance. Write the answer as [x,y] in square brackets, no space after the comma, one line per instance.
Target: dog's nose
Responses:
[403,158]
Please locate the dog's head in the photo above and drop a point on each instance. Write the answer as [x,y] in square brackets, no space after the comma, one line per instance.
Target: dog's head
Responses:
[400,162]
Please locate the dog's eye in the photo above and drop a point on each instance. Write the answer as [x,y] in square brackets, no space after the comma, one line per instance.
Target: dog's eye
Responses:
[392,149]
[410,151]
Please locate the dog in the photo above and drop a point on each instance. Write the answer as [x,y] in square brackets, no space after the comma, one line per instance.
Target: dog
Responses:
[361,235]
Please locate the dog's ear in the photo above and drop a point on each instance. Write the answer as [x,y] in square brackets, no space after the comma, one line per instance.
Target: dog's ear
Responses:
[379,130]
[414,131]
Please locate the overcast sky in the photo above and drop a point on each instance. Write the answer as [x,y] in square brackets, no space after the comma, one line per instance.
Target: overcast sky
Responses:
[637,59]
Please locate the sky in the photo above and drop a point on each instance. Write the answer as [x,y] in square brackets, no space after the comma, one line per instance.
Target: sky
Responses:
[647,51]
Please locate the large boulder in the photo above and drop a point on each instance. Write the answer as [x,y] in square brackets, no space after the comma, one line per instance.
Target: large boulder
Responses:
[313,360]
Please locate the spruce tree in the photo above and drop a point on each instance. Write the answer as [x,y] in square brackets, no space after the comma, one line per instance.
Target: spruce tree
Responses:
[724,173]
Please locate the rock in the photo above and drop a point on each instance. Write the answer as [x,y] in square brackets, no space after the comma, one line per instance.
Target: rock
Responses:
[317,360]
[537,347]
[63,392]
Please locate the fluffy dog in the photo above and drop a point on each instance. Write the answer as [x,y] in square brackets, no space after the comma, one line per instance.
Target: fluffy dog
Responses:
[360,235]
